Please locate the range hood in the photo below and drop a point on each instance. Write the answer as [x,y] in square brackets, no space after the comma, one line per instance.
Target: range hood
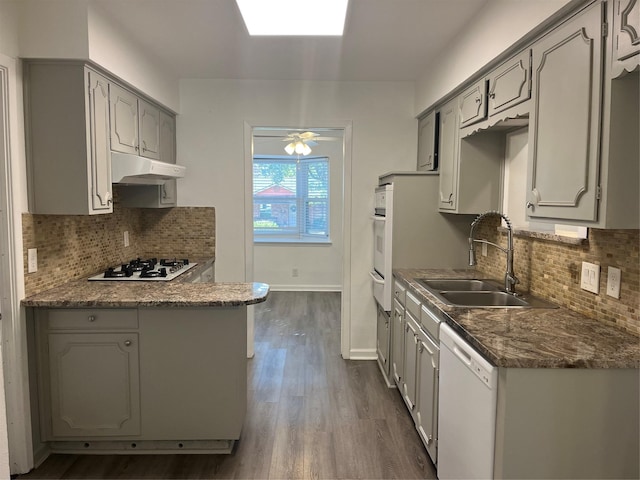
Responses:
[136,170]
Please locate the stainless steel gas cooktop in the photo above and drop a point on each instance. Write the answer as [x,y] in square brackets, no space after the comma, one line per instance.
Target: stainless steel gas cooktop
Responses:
[147,270]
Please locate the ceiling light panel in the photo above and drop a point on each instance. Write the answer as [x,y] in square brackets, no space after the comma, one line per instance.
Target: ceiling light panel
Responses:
[294,17]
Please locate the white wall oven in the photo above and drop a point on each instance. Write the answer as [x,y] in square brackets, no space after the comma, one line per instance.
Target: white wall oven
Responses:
[381,275]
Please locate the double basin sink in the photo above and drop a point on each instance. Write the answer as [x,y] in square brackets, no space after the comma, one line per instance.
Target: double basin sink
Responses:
[477,293]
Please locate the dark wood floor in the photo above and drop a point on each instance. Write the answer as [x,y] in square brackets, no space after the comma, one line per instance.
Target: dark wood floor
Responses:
[311,414]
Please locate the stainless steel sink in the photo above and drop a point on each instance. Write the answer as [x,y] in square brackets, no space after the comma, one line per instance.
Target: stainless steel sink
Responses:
[477,293]
[458,284]
[483,299]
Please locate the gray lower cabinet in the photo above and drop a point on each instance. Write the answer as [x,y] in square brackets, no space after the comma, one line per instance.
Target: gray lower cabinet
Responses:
[95,384]
[383,346]
[426,416]
[69,162]
[410,358]
[564,128]
[397,338]
[153,379]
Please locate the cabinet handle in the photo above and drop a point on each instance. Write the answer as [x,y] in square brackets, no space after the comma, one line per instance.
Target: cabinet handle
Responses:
[492,95]
[127,343]
[164,191]
[91,318]
[421,348]
[429,440]
[137,148]
[530,205]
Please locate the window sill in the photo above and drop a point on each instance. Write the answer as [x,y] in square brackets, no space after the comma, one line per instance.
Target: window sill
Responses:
[293,242]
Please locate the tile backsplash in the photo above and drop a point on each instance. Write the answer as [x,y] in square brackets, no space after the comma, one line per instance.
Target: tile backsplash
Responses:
[551,270]
[73,246]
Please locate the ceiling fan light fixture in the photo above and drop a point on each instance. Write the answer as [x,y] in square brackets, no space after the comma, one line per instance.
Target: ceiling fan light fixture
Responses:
[290,148]
[306,150]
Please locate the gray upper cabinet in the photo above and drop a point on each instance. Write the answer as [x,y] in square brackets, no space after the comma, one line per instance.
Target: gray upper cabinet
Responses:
[69,161]
[564,126]
[448,152]
[473,104]
[510,84]
[135,124]
[124,121]
[156,196]
[149,130]
[470,168]
[427,142]
[626,36]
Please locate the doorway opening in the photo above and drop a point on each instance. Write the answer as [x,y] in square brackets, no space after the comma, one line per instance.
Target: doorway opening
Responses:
[297,226]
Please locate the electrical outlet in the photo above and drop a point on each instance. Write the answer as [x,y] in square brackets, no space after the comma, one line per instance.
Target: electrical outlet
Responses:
[294,272]
[590,279]
[32,260]
[613,282]
[126,238]
[484,250]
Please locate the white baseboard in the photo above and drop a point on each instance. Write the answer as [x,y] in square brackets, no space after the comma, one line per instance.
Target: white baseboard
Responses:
[363,354]
[305,288]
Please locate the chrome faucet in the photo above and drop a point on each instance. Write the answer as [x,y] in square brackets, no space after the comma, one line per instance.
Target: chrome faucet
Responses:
[510,280]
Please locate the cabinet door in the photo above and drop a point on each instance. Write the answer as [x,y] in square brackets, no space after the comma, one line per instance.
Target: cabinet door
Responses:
[149,130]
[410,358]
[565,120]
[427,395]
[167,138]
[124,120]
[427,142]
[94,384]
[510,84]
[168,193]
[448,153]
[397,351]
[627,30]
[382,341]
[100,152]
[473,104]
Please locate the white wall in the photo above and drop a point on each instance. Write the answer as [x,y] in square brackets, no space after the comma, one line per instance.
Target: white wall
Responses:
[211,145]
[501,24]
[319,266]
[77,29]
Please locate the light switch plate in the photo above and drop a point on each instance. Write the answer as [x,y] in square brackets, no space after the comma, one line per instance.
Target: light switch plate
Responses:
[613,282]
[32,260]
[590,279]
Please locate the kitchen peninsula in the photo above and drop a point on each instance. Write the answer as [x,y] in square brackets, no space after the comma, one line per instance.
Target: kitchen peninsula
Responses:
[139,367]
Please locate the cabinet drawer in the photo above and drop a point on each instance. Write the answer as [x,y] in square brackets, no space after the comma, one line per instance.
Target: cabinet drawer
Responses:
[430,321]
[413,305]
[92,318]
[399,292]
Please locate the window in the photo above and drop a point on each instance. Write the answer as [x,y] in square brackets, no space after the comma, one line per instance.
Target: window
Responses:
[290,199]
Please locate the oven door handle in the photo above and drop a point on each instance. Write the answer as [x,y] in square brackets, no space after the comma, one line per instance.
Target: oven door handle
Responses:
[376,278]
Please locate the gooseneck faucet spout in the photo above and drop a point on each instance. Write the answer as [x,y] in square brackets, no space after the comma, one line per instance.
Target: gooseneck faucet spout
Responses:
[510,280]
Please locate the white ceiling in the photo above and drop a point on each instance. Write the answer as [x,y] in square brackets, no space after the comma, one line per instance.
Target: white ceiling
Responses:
[384,40]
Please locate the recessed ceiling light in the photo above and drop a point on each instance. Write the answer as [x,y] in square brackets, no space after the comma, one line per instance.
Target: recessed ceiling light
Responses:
[294,17]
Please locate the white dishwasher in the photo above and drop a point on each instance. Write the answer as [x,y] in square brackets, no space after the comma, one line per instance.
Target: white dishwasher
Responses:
[467,414]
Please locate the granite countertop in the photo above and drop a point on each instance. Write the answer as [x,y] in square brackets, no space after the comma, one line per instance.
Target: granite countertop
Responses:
[177,293]
[531,337]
